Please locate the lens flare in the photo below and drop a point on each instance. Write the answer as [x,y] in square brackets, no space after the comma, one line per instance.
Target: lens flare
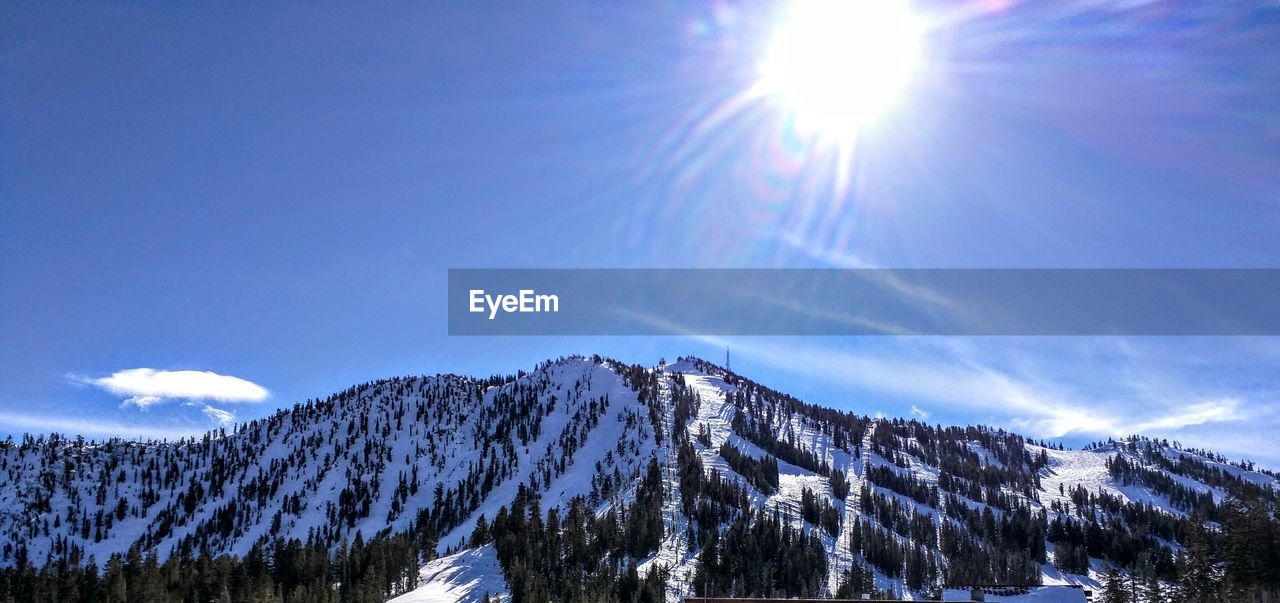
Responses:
[838,65]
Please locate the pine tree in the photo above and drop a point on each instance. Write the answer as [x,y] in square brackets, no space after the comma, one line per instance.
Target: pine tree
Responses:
[1249,548]
[1114,588]
[1152,591]
[1200,577]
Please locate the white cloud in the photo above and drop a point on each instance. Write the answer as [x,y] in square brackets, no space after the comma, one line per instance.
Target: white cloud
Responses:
[949,378]
[142,401]
[1209,411]
[145,387]
[218,415]
[1048,392]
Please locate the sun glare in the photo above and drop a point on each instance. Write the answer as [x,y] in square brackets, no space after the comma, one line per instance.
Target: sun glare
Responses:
[837,65]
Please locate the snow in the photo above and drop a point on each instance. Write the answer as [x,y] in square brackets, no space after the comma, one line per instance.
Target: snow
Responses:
[449,431]
[310,453]
[576,481]
[842,556]
[1052,576]
[1258,478]
[1088,468]
[464,577]
[673,553]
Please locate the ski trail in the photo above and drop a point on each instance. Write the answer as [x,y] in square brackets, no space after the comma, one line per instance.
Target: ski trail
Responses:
[673,552]
[843,555]
[939,518]
[715,412]
[675,542]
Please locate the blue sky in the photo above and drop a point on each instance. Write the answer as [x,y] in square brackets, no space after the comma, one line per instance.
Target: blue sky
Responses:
[273,193]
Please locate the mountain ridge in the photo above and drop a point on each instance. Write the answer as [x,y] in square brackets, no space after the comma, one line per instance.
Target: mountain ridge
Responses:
[906,506]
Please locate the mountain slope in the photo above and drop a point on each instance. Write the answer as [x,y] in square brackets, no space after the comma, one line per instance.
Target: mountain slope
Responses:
[892,505]
[368,459]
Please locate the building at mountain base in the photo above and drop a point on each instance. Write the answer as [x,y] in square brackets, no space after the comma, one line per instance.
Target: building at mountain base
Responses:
[986,594]
[1073,593]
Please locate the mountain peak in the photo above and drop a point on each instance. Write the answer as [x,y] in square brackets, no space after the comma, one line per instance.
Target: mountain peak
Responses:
[691,463]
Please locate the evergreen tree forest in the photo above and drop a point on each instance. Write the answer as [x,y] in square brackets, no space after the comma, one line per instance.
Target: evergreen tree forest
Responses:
[285,571]
[602,481]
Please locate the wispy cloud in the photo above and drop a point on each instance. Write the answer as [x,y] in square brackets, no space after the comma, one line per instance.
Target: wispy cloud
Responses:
[935,378]
[144,387]
[1210,411]
[93,427]
[1052,388]
[218,415]
[916,294]
[794,308]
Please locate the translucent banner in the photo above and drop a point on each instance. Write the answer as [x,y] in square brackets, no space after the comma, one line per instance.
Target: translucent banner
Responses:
[864,302]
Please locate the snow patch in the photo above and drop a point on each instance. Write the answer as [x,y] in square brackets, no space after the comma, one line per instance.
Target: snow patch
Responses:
[464,577]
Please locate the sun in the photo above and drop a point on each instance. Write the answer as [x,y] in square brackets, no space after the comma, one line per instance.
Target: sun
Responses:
[838,65]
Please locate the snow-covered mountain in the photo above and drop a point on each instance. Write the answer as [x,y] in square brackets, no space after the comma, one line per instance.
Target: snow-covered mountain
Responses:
[724,462]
